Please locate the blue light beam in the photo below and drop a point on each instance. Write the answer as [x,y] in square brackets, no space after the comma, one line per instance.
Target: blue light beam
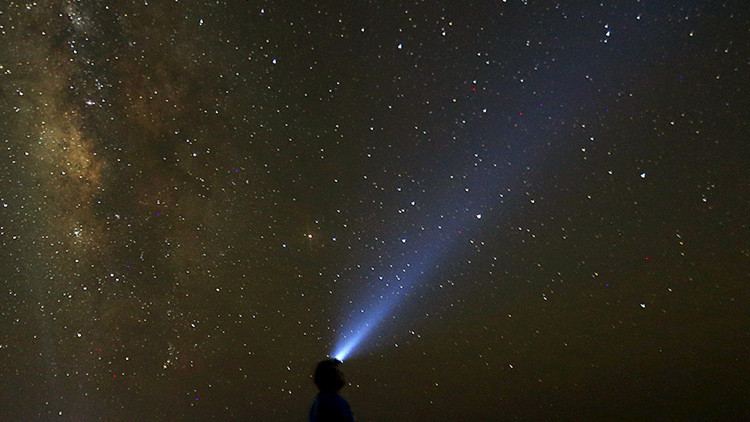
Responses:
[493,171]
[394,289]
[376,313]
[447,227]
[448,232]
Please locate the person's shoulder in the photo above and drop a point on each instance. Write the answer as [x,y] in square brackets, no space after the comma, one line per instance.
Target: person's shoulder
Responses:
[342,400]
[333,398]
[329,396]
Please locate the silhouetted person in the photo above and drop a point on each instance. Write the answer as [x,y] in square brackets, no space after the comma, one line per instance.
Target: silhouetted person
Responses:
[329,406]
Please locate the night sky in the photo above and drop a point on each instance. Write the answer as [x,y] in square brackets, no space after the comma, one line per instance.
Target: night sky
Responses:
[540,210]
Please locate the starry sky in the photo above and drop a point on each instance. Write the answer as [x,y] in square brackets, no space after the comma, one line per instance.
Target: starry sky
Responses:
[541,207]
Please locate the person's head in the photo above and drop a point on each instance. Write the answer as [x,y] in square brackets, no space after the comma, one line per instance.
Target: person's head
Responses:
[328,377]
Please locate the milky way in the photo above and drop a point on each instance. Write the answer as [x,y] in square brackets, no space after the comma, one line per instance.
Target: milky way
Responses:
[522,210]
